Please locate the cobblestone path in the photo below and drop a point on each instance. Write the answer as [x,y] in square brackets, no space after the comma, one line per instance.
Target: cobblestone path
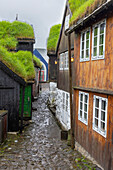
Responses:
[40,147]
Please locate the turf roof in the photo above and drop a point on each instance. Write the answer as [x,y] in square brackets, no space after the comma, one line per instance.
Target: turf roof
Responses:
[82,8]
[20,62]
[53,37]
[37,61]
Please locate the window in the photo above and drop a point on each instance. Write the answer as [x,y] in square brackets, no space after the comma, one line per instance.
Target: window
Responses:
[66,61]
[83,107]
[65,106]
[63,64]
[100,115]
[98,41]
[85,46]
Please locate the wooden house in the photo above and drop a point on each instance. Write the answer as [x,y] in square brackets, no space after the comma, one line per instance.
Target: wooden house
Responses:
[10,95]
[16,72]
[93,79]
[51,52]
[63,80]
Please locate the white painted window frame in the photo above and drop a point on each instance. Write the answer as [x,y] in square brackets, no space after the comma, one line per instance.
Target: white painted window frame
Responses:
[84,32]
[79,117]
[61,62]
[98,39]
[98,130]
[66,61]
[65,105]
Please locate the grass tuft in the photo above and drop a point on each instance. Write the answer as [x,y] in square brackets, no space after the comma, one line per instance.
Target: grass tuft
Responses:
[53,37]
[37,61]
[82,8]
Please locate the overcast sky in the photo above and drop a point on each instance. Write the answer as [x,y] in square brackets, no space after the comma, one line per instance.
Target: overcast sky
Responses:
[42,14]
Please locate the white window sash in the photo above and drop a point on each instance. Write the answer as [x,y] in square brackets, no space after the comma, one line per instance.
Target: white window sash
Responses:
[83,110]
[98,129]
[84,59]
[98,57]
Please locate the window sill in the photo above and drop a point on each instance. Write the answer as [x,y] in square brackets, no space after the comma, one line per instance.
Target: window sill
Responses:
[100,132]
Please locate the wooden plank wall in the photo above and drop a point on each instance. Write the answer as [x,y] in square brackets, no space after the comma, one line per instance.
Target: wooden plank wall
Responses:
[95,74]
[100,147]
[9,100]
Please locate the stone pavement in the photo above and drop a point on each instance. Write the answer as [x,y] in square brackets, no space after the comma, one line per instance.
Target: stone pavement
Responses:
[40,147]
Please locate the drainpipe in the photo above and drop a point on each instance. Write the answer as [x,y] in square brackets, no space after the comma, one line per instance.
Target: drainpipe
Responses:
[70,91]
[22,108]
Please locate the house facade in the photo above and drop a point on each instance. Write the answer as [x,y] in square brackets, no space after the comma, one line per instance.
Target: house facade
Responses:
[63,95]
[41,54]
[93,86]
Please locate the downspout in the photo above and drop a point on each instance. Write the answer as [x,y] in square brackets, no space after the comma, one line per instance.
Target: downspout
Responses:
[70,91]
[22,108]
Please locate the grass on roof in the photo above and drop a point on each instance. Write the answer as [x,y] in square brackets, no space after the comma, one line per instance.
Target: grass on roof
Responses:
[37,61]
[83,8]
[20,63]
[53,37]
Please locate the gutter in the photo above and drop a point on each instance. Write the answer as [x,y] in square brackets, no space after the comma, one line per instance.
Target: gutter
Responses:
[92,15]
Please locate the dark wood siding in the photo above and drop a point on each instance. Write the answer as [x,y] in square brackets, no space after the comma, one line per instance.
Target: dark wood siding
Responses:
[52,68]
[9,100]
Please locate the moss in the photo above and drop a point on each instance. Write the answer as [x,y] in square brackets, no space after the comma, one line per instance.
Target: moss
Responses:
[37,61]
[19,62]
[82,8]
[53,37]
[21,30]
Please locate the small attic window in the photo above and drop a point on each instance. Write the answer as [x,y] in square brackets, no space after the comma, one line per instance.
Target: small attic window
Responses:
[67,22]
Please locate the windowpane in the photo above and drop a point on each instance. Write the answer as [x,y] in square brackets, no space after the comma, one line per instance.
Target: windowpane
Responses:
[101,50]
[103,116]
[103,126]
[101,39]
[85,115]
[81,97]
[83,45]
[80,113]
[95,31]
[87,53]
[85,107]
[82,54]
[86,98]
[96,122]
[102,28]
[103,105]
[81,105]
[83,37]
[97,103]
[95,41]
[96,113]
[95,51]
[87,44]
[87,35]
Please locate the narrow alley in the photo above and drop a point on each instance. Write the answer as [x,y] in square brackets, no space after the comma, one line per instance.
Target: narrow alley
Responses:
[40,146]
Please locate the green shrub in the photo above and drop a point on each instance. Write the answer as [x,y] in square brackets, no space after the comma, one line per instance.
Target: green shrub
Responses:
[53,37]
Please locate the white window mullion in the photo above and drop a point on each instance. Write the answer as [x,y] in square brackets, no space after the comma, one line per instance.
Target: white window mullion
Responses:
[100,101]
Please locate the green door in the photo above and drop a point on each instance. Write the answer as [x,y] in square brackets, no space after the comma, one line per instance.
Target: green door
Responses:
[27,102]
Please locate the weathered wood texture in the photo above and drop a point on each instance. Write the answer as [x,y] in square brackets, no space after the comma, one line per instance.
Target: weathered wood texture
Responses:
[52,68]
[96,74]
[99,147]
[25,45]
[9,99]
